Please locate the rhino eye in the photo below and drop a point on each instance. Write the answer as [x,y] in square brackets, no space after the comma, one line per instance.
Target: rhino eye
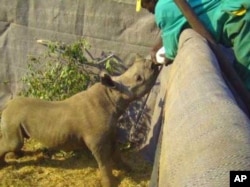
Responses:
[138,78]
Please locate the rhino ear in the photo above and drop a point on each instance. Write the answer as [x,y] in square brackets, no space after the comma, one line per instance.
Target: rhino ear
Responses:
[107,80]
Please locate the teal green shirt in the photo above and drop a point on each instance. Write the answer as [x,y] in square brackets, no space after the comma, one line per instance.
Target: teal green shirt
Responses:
[171,21]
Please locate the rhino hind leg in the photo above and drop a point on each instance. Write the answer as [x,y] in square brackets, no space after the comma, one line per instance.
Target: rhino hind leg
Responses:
[11,140]
[2,153]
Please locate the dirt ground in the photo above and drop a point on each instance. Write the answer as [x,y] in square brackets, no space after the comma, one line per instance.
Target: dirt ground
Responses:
[34,168]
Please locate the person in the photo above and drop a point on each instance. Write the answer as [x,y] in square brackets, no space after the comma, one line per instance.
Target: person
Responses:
[228,22]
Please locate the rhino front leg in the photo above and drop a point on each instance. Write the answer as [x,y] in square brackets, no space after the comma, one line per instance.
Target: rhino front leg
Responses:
[102,151]
[107,179]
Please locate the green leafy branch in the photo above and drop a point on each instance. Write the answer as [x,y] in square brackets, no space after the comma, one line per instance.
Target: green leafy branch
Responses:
[64,70]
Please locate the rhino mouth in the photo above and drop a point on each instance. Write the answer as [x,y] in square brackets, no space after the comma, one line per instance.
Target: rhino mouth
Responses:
[153,66]
[156,68]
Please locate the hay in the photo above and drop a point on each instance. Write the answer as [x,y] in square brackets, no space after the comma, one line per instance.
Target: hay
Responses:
[69,170]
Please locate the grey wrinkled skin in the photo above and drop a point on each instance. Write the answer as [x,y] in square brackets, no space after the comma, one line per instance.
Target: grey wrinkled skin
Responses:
[87,119]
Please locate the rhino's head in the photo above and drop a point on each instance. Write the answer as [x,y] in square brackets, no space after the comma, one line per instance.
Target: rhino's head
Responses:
[136,81]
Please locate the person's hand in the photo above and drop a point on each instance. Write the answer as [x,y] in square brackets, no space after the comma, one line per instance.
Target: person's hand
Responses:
[167,61]
[154,54]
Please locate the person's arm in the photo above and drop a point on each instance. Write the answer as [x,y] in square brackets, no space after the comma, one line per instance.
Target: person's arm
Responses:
[155,48]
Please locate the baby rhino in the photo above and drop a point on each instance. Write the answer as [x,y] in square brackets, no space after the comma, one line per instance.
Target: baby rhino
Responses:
[86,119]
